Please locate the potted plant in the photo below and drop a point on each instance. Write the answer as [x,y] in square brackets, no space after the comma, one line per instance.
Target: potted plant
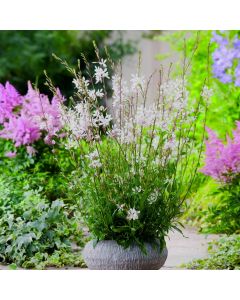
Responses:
[135,162]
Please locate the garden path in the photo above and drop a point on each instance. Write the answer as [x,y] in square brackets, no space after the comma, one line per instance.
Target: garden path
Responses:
[181,249]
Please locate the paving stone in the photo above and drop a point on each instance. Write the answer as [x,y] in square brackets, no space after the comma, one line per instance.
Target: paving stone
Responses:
[187,247]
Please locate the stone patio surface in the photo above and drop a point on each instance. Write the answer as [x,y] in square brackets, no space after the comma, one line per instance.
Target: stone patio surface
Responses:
[183,249]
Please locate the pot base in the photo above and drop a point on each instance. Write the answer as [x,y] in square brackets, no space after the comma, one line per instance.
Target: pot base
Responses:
[108,255]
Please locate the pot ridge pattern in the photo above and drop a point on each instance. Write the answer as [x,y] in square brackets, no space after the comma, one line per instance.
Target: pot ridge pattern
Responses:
[108,255]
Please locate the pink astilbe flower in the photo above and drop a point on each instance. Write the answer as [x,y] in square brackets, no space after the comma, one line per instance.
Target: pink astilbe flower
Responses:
[26,119]
[222,161]
[21,130]
[10,99]
[45,115]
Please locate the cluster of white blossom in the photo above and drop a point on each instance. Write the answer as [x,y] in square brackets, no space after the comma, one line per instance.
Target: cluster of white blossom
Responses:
[101,71]
[99,119]
[81,84]
[77,121]
[81,123]
[94,159]
[132,114]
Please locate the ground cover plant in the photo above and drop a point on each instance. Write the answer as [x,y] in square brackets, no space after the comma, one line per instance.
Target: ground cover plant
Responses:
[36,233]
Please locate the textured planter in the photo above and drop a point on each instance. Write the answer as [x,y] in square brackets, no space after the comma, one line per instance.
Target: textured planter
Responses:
[108,255]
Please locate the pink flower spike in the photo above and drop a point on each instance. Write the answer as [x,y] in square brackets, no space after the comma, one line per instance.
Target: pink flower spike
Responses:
[222,160]
[26,119]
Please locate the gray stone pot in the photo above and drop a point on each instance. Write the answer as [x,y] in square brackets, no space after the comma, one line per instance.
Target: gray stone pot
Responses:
[108,255]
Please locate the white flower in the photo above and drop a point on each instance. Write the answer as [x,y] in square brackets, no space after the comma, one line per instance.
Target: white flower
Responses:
[92,94]
[171,144]
[100,120]
[120,93]
[77,121]
[45,122]
[115,132]
[99,93]
[100,74]
[137,189]
[95,163]
[153,197]
[81,84]
[93,155]
[132,214]
[102,63]
[207,94]
[76,83]
[71,144]
[159,161]
[145,116]
[105,120]
[94,159]
[137,81]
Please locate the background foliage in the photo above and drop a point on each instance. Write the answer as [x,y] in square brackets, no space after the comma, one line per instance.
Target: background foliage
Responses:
[24,55]
[224,106]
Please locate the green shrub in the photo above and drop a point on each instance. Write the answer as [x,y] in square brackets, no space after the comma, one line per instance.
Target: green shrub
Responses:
[214,209]
[46,169]
[224,215]
[224,254]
